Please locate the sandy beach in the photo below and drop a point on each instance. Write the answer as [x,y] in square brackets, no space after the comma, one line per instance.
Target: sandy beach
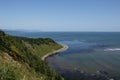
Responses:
[65,47]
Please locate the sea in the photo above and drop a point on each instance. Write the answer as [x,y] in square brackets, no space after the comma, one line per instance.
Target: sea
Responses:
[91,55]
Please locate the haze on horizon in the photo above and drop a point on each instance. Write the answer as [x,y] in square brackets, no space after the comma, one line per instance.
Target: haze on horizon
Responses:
[60,15]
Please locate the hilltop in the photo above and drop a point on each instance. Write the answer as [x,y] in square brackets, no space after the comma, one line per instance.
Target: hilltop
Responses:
[20,58]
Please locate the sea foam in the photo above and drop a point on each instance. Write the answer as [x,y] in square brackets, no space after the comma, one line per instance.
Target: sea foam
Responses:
[112,49]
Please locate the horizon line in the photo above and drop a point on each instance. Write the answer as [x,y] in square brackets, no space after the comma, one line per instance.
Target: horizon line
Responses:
[25,30]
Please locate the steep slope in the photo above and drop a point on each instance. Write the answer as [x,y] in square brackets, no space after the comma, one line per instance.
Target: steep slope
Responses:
[20,58]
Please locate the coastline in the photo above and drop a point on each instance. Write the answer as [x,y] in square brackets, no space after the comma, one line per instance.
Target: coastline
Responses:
[64,48]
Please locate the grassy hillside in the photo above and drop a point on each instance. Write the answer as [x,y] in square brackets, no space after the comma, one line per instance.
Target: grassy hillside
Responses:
[20,58]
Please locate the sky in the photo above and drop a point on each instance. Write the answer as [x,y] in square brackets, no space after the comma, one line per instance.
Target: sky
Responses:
[60,15]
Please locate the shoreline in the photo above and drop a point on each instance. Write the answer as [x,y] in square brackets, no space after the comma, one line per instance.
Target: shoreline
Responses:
[64,48]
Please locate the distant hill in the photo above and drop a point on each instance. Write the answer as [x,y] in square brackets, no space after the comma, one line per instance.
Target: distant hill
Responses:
[20,32]
[20,58]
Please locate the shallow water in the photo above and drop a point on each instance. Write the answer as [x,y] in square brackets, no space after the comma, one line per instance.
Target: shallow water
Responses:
[90,56]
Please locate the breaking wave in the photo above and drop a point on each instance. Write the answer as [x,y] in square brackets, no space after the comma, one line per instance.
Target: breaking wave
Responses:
[112,49]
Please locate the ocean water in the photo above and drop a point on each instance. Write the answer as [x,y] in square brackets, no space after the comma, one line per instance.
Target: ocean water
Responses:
[91,55]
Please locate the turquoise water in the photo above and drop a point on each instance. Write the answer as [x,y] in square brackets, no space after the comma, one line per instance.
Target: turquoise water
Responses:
[91,55]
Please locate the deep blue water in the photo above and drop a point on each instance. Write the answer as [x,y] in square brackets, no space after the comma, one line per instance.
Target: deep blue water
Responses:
[91,55]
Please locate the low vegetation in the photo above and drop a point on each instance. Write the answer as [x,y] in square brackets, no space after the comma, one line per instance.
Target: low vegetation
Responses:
[20,58]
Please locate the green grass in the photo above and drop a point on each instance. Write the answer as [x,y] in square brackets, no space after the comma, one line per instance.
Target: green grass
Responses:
[6,73]
[44,49]
[13,70]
